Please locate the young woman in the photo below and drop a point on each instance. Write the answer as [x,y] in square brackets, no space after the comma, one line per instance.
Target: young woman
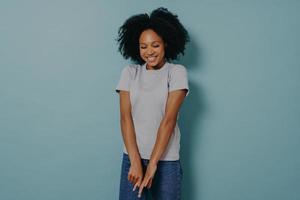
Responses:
[151,92]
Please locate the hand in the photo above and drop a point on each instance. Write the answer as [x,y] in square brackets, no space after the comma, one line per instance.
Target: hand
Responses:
[135,174]
[148,178]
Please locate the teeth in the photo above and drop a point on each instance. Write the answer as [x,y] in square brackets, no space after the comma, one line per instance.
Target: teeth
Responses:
[152,58]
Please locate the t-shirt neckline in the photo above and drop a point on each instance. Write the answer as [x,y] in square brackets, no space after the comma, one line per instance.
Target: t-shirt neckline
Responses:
[155,70]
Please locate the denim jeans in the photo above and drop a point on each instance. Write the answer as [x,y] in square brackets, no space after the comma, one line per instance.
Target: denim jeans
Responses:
[166,184]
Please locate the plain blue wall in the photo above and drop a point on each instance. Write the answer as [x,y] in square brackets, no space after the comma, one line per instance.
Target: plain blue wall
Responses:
[59,119]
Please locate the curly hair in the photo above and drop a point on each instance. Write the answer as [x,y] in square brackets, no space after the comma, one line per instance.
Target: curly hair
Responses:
[161,21]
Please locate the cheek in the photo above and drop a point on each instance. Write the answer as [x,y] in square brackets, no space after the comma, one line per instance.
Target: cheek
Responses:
[162,52]
[142,53]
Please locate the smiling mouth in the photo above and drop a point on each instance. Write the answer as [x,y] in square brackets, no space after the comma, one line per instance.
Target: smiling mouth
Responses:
[151,58]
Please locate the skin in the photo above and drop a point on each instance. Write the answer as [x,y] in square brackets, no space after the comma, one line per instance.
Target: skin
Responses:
[150,45]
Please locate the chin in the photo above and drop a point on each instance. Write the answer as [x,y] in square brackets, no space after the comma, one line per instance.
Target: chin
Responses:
[152,64]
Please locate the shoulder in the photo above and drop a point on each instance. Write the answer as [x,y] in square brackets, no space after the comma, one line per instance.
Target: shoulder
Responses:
[177,69]
[131,69]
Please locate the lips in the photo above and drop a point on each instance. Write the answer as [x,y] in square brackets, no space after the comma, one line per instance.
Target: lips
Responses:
[151,58]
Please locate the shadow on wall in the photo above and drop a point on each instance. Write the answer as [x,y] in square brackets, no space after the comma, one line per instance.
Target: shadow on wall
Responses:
[191,114]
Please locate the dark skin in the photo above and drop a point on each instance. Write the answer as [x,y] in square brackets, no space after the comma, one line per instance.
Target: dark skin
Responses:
[152,51]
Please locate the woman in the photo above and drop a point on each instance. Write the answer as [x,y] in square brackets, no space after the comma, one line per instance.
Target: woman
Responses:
[151,92]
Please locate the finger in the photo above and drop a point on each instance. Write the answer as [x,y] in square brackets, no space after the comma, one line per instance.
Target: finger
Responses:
[135,180]
[144,183]
[141,190]
[136,185]
[129,177]
[149,183]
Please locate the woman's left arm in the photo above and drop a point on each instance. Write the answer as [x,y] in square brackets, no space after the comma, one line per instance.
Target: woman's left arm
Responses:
[167,124]
[165,130]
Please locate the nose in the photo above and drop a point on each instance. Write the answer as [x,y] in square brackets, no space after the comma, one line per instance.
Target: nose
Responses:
[150,51]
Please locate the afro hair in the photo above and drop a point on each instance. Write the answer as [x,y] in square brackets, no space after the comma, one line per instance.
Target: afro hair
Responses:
[161,21]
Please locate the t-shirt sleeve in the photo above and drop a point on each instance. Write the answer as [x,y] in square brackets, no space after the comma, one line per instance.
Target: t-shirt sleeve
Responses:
[125,80]
[179,79]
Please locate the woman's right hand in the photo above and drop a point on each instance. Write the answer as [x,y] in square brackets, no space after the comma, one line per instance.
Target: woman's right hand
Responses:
[135,174]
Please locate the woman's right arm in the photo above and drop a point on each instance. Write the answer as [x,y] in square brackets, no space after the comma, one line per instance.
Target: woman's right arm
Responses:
[135,174]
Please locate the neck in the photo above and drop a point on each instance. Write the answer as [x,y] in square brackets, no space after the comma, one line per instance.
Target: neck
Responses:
[158,66]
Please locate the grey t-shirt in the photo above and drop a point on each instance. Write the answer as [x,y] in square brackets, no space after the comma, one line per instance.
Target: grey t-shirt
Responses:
[148,96]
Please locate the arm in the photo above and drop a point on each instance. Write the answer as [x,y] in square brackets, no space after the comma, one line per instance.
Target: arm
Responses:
[165,130]
[167,124]
[127,127]
[129,138]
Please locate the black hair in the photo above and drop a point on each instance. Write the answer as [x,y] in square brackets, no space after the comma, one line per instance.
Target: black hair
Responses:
[162,22]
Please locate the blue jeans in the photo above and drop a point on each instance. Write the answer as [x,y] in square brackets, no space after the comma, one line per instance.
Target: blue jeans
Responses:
[166,183]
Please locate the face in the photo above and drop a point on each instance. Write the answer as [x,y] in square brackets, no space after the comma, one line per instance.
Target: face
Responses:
[152,49]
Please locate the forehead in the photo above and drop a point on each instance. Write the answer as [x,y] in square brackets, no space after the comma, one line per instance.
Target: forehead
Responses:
[149,36]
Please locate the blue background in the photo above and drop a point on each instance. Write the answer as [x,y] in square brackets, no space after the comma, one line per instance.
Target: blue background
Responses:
[59,115]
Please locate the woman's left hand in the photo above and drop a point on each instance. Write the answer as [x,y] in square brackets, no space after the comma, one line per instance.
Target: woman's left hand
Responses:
[148,177]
